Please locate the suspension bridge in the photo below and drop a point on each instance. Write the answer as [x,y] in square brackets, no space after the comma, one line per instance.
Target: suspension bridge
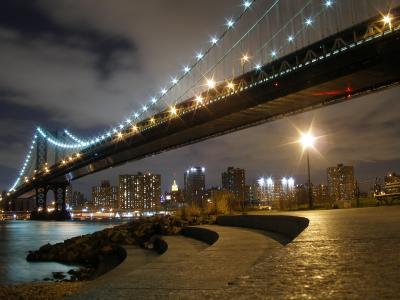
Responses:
[275,58]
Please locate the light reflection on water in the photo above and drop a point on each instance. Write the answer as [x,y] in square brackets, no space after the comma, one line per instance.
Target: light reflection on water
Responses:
[18,237]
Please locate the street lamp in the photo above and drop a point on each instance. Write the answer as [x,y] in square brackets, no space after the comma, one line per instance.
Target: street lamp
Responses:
[307,140]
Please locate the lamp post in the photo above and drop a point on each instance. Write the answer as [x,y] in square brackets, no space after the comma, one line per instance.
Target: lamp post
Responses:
[307,140]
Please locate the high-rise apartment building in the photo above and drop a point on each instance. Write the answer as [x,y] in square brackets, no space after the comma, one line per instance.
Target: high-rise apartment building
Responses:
[195,185]
[105,196]
[341,182]
[233,180]
[140,191]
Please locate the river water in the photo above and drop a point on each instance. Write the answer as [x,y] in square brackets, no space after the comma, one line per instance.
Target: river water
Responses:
[18,237]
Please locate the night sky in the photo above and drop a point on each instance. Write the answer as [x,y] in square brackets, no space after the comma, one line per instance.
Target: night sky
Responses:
[83,65]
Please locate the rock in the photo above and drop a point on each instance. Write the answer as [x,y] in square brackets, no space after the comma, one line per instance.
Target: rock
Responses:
[58,275]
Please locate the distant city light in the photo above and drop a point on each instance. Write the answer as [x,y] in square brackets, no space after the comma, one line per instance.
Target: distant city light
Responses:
[258,67]
[309,21]
[245,58]
[273,53]
[290,38]
[199,99]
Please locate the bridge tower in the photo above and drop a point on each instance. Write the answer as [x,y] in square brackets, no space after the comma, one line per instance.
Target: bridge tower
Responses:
[41,160]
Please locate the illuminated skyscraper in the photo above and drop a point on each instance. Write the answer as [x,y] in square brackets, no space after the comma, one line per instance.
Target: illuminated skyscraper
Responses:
[233,180]
[140,191]
[195,187]
[341,182]
[105,196]
[174,198]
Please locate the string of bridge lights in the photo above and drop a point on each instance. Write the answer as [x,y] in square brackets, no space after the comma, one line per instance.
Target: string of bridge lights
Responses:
[173,111]
[27,160]
[80,143]
[186,71]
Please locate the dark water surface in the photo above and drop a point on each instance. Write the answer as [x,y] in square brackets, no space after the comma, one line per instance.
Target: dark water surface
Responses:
[18,237]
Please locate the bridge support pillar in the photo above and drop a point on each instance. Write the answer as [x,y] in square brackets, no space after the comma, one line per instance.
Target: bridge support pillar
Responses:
[60,191]
[41,198]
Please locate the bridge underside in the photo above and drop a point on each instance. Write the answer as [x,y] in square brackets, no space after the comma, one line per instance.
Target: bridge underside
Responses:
[349,71]
[347,76]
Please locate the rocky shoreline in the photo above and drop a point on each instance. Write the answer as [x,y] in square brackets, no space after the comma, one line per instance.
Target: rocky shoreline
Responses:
[101,251]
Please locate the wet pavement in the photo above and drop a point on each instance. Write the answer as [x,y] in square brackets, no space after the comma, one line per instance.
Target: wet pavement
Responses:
[343,254]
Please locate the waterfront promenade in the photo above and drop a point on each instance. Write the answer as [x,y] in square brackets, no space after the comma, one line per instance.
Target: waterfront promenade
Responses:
[343,254]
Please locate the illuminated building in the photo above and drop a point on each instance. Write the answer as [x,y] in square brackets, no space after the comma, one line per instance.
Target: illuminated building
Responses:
[78,200]
[233,180]
[392,184]
[194,181]
[68,195]
[277,194]
[105,196]
[251,194]
[321,194]
[174,198]
[341,182]
[140,191]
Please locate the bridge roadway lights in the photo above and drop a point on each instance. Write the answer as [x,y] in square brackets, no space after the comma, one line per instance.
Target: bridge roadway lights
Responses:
[59,190]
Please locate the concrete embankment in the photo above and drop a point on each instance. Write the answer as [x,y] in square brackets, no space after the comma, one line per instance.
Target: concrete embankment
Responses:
[288,226]
[188,269]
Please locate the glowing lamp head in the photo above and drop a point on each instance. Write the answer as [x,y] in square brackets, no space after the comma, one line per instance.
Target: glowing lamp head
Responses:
[174,81]
[214,40]
[230,23]
[211,83]
[308,22]
[246,4]
[119,135]
[186,69]
[230,85]
[290,38]
[173,110]
[328,3]
[134,128]
[199,99]
[245,58]
[387,19]
[307,140]
[152,120]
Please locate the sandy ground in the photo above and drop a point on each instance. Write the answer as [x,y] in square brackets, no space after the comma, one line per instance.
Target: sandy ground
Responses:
[53,291]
